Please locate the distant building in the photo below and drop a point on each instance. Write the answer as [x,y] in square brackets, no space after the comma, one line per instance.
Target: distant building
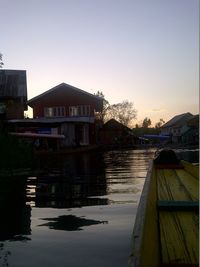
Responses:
[64,112]
[13,94]
[176,127]
[115,133]
[190,132]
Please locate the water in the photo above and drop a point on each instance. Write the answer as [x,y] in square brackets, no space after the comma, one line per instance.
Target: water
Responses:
[74,211]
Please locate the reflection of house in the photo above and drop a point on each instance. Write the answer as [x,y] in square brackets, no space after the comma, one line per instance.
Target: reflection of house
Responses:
[13,94]
[15,220]
[178,128]
[114,132]
[66,111]
[80,182]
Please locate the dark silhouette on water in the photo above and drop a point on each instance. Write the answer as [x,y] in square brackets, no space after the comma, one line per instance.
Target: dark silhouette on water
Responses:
[70,223]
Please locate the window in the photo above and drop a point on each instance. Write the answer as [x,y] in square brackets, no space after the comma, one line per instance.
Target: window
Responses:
[48,112]
[73,111]
[2,108]
[83,110]
[62,111]
[88,110]
[54,112]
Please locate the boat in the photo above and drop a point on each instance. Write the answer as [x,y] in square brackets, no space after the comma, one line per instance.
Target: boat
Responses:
[166,229]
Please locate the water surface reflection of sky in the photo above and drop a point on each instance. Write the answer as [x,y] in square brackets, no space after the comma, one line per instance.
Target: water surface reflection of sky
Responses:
[77,210]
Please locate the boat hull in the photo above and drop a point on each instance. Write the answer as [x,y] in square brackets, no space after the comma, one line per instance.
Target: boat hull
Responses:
[166,229]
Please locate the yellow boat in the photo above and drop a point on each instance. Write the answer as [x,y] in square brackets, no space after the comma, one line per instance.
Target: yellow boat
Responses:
[166,230]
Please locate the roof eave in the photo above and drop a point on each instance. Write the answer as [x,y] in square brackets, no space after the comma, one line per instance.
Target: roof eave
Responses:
[34,99]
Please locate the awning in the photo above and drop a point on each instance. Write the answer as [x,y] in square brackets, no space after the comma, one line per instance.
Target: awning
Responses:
[155,136]
[35,135]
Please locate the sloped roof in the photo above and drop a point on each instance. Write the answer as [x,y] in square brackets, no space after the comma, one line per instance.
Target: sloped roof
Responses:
[178,120]
[66,87]
[114,125]
[194,121]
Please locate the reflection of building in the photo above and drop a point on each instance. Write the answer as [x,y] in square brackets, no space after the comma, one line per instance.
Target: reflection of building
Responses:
[15,223]
[66,194]
[79,182]
[63,111]
[13,94]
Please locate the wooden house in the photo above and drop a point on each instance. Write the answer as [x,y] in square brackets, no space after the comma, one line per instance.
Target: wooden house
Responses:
[115,133]
[174,127]
[63,112]
[190,132]
[13,94]
[183,129]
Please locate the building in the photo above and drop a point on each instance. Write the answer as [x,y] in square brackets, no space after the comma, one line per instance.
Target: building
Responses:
[176,127]
[190,132]
[13,94]
[63,112]
[115,133]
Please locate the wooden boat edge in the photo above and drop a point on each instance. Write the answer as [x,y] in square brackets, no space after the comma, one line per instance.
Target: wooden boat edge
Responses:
[138,249]
[139,232]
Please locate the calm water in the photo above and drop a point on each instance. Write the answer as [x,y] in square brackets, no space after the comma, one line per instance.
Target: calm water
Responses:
[74,211]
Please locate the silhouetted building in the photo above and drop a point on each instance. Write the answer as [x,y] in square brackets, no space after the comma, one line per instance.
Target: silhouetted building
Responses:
[13,94]
[115,133]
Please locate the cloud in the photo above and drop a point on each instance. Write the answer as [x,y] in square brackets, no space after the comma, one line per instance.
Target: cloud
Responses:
[157,110]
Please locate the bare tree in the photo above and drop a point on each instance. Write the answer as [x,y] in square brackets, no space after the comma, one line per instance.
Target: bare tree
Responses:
[146,123]
[159,124]
[102,115]
[1,62]
[124,112]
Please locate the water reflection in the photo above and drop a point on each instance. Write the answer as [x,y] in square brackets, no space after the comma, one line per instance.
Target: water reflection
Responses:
[88,179]
[60,192]
[70,223]
[73,181]
[15,220]
[15,223]
[109,184]
[4,254]
[125,173]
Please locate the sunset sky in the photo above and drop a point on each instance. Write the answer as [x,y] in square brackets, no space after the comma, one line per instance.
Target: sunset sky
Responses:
[144,51]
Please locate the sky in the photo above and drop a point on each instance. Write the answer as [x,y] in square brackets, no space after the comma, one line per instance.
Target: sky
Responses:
[143,51]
